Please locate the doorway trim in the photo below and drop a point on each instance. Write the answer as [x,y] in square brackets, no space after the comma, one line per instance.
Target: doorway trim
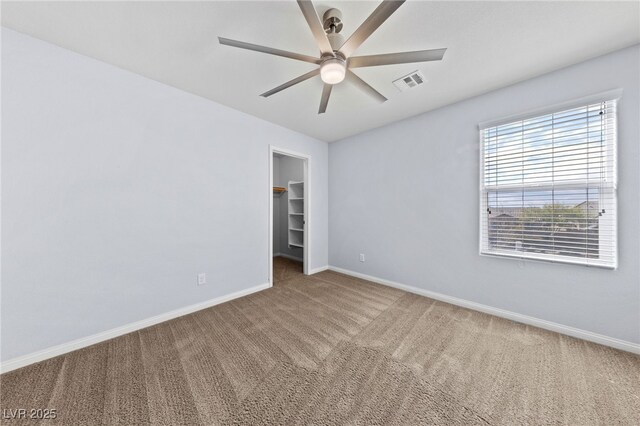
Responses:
[306,159]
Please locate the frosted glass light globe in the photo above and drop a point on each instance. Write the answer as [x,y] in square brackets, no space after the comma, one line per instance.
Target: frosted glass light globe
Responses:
[333,70]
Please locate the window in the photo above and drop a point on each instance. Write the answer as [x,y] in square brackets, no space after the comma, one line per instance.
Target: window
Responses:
[548,187]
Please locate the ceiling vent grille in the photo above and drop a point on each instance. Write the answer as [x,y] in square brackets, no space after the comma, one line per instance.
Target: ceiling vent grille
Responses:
[409,81]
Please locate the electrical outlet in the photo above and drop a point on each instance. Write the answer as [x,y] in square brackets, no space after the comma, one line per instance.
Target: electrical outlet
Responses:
[361,257]
[202,278]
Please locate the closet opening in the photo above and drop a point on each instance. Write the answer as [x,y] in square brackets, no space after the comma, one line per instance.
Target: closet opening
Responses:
[289,197]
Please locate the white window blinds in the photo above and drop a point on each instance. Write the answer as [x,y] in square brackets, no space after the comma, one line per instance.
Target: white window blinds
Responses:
[548,187]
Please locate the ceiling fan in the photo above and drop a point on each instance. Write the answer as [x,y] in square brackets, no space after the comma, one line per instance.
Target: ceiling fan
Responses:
[336,60]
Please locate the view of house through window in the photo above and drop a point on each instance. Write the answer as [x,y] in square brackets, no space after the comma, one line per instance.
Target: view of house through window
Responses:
[548,187]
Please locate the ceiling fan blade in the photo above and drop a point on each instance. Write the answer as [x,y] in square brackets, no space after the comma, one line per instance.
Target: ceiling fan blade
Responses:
[269,50]
[364,86]
[317,29]
[290,83]
[324,100]
[382,12]
[396,58]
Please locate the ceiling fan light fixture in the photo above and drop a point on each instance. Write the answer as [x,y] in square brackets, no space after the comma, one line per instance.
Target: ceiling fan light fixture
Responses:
[333,70]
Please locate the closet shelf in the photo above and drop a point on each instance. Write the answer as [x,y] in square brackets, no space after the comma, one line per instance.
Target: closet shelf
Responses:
[296,216]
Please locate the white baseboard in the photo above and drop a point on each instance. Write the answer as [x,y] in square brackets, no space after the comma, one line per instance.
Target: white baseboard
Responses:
[524,319]
[64,348]
[320,269]
[288,256]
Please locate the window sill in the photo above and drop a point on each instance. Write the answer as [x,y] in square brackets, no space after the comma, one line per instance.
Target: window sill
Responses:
[548,259]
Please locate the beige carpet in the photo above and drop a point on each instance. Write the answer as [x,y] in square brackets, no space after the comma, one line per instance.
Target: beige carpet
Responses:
[284,269]
[332,349]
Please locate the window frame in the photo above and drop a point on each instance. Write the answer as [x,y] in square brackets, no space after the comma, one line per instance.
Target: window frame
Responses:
[611,187]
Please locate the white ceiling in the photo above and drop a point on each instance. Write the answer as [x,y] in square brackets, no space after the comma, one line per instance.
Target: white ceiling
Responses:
[490,45]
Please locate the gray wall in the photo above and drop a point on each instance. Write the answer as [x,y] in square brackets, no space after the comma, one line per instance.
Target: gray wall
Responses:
[406,195]
[117,190]
[291,169]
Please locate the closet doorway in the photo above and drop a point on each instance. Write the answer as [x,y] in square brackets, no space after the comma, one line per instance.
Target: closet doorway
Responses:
[289,200]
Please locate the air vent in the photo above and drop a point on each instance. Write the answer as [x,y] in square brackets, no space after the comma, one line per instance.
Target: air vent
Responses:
[409,81]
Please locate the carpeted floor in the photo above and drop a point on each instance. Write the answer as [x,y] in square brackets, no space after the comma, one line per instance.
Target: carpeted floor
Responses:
[331,349]
[284,269]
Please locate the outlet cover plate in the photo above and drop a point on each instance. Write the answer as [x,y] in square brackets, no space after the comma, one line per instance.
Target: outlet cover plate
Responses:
[202,278]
